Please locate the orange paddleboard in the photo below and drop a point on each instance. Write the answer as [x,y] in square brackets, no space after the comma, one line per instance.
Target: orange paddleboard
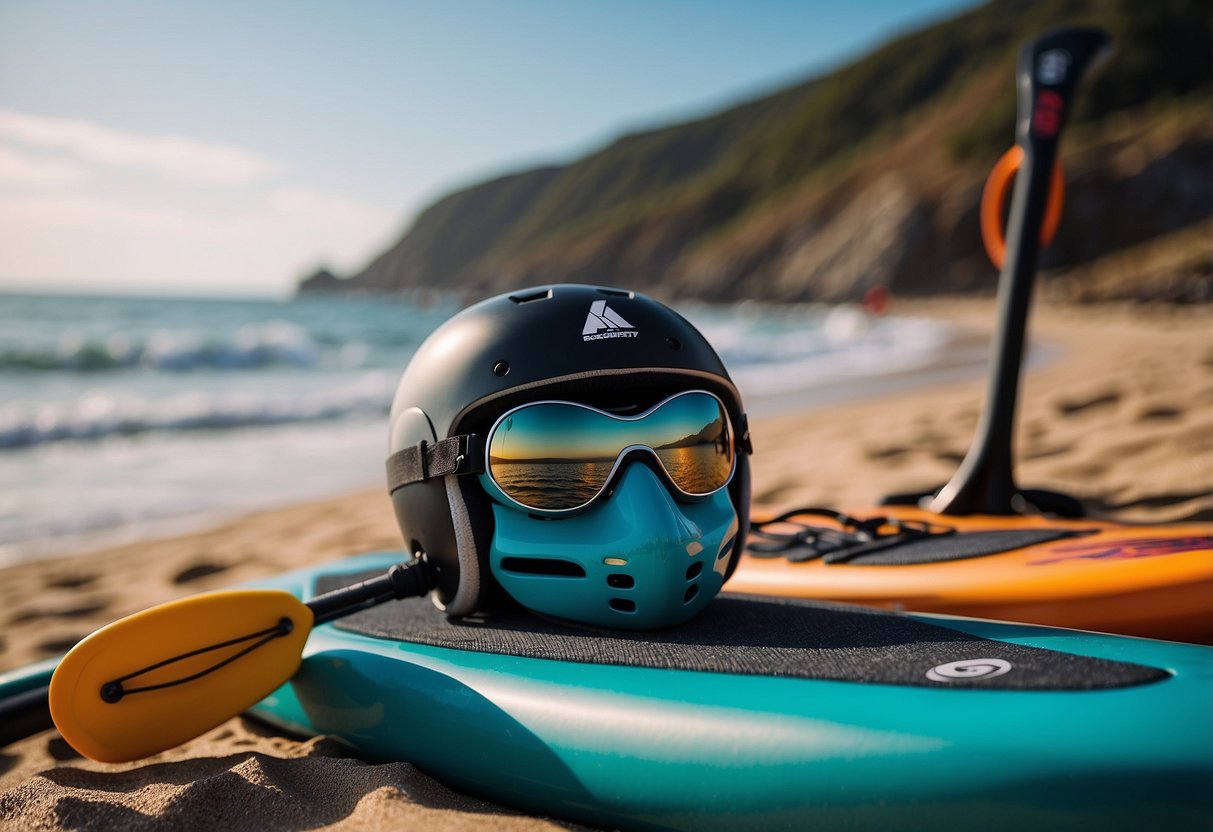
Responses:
[1152,581]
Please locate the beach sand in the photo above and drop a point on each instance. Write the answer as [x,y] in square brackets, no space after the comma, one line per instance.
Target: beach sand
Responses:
[1120,415]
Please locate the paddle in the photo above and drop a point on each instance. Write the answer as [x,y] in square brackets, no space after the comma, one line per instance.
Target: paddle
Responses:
[1048,74]
[157,678]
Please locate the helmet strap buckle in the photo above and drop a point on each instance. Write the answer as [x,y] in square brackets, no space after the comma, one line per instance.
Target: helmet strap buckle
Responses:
[455,455]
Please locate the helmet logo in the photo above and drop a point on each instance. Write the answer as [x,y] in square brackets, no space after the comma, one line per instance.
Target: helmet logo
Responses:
[604,322]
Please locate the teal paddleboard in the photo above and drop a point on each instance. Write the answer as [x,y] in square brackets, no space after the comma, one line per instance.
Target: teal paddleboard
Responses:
[768,714]
[763,713]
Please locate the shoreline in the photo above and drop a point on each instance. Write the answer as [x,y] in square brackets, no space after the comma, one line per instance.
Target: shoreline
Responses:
[1121,416]
[960,354]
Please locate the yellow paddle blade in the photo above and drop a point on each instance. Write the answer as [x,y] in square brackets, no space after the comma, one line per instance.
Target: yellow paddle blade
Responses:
[175,671]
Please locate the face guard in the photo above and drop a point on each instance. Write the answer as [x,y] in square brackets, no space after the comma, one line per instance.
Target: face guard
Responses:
[637,559]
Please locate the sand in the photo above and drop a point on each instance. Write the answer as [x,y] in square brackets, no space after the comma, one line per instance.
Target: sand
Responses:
[1121,415]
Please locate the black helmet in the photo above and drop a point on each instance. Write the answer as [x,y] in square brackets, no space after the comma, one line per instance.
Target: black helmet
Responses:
[603,347]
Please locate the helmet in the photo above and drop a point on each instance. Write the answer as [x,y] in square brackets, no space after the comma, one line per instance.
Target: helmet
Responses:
[607,349]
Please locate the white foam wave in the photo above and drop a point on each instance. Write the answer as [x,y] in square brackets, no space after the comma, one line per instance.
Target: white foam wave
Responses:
[99,414]
[273,343]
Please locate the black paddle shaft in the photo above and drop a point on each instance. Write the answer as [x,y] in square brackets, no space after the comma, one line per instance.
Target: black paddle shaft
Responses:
[403,580]
[1049,71]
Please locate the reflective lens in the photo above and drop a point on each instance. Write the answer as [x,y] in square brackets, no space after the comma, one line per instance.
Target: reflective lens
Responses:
[558,456]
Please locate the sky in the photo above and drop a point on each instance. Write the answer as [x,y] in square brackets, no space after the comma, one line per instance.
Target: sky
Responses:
[221,148]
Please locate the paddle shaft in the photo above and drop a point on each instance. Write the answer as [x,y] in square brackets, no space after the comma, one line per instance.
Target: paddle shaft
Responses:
[403,580]
[1048,74]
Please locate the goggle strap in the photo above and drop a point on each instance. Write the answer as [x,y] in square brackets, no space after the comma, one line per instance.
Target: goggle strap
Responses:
[426,460]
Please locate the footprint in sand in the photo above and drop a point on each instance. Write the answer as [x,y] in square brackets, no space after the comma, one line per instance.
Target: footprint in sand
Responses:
[1046,452]
[892,454]
[197,571]
[54,646]
[950,457]
[71,582]
[58,748]
[71,612]
[1070,407]
[1160,413]
[1035,429]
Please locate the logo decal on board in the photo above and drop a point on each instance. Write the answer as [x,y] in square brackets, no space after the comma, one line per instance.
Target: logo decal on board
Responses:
[1141,547]
[969,669]
[604,322]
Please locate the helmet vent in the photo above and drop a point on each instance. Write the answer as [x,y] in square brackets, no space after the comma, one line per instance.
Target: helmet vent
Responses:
[623,605]
[621,581]
[694,569]
[527,297]
[615,293]
[692,591]
[548,567]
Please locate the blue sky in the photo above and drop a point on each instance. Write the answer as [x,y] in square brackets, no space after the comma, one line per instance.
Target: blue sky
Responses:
[227,147]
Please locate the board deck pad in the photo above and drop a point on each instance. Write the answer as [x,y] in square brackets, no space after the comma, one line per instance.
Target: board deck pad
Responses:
[760,636]
[959,546]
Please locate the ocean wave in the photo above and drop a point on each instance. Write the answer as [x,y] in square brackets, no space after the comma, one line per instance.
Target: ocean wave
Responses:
[842,341]
[99,415]
[253,346]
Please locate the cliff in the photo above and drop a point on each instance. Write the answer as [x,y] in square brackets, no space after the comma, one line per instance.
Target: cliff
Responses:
[870,175]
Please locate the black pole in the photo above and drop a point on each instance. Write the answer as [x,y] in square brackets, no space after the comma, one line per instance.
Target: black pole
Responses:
[1048,74]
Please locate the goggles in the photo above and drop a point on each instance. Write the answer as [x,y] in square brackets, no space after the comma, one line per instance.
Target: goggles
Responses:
[557,457]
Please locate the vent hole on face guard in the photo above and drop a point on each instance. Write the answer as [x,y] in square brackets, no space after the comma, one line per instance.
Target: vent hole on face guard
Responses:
[623,605]
[543,566]
[726,549]
[615,293]
[621,581]
[528,297]
[693,570]
[692,591]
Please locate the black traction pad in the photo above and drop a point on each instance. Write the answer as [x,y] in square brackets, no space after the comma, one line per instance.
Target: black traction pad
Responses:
[940,548]
[753,635]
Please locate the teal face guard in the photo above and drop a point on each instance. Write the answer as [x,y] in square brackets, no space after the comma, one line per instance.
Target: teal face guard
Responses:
[636,560]
[614,521]
[556,458]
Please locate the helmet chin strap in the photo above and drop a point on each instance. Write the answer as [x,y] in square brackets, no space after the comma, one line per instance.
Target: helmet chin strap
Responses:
[638,559]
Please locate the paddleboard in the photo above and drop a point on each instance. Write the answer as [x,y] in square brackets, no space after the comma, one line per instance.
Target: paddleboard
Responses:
[766,713]
[1150,581]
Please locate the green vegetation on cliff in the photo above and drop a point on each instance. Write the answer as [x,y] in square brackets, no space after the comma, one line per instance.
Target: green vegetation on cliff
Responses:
[749,201]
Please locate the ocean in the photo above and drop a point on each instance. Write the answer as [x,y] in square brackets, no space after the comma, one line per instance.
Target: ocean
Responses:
[128,417]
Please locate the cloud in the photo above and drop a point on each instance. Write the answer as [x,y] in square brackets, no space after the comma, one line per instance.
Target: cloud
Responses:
[64,222]
[175,157]
[308,205]
[18,168]
[81,240]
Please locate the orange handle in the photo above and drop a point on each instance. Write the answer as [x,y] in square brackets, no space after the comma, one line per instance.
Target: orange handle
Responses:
[995,194]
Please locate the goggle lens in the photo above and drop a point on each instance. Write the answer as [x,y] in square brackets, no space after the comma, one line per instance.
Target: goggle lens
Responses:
[559,456]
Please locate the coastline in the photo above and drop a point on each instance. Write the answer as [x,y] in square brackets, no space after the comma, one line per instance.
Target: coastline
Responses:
[1121,416]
